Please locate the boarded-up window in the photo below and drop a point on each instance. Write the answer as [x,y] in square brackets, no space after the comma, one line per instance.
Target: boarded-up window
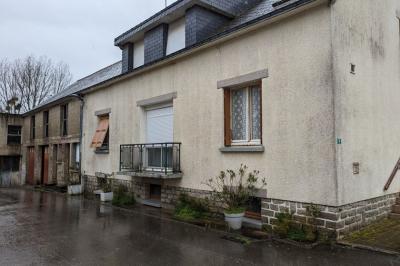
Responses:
[101,135]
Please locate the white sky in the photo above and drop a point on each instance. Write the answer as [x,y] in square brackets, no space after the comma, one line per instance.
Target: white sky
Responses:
[79,32]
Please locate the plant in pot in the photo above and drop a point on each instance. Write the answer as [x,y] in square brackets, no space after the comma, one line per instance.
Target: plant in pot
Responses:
[106,189]
[233,189]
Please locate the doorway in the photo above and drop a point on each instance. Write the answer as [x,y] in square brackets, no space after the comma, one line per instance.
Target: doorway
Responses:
[31,166]
[155,192]
[45,165]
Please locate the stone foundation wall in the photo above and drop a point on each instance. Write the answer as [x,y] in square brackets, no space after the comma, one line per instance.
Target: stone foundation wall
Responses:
[337,220]
[136,187]
[342,220]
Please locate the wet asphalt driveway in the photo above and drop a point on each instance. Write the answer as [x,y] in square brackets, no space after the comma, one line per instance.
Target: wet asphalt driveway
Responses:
[52,229]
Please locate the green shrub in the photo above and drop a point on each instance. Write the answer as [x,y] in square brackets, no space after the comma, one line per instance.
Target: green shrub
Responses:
[190,208]
[123,198]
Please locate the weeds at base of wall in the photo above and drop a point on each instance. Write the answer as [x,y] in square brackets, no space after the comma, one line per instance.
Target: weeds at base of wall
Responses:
[190,209]
[122,198]
[286,228]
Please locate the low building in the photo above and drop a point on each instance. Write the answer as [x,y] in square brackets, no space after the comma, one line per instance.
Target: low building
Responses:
[10,149]
[51,139]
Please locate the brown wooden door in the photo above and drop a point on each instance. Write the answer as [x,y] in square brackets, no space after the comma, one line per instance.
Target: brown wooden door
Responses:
[45,165]
[31,166]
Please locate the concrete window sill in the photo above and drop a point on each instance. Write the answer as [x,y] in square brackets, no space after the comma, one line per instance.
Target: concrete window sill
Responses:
[244,149]
[102,152]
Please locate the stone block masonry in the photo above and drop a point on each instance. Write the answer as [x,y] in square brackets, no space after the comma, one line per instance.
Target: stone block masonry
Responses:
[339,220]
[342,220]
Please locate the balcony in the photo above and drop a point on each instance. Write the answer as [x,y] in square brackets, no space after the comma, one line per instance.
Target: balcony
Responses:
[151,160]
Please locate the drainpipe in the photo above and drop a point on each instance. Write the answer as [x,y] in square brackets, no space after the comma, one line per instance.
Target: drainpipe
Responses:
[80,97]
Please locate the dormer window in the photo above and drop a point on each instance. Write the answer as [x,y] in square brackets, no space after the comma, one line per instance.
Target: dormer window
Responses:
[138,54]
[176,36]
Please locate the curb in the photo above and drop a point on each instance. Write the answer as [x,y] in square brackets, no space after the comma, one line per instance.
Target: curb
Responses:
[365,247]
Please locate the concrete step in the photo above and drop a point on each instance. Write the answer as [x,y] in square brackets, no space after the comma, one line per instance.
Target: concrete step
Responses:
[396,209]
[398,201]
[394,216]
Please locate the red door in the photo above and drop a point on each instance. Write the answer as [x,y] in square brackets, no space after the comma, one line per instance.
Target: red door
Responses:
[31,166]
[45,165]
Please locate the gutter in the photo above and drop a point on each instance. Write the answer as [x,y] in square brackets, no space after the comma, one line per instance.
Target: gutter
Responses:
[213,40]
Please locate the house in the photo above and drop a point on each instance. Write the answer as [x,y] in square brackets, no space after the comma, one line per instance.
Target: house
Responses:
[305,91]
[10,149]
[52,131]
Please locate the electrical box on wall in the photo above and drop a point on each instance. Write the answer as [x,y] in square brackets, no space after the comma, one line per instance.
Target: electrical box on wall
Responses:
[356,168]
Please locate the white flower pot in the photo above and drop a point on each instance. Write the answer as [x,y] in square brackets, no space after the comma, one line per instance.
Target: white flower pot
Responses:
[234,220]
[75,189]
[106,196]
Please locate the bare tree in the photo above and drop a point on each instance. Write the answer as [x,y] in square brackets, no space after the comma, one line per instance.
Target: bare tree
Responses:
[26,83]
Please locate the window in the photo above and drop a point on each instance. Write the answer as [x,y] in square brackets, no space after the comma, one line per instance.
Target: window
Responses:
[64,120]
[159,136]
[33,127]
[46,124]
[9,163]
[14,135]
[101,137]
[75,155]
[176,36]
[138,54]
[243,116]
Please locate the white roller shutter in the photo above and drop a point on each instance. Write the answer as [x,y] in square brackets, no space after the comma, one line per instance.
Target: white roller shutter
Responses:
[160,123]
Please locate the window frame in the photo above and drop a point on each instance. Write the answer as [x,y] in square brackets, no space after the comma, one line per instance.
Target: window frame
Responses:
[64,120]
[14,135]
[105,144]
[228,116]
[33,127]
[46,123]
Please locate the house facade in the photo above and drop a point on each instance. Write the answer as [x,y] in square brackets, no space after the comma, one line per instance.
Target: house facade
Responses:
[305,91]
[10,149]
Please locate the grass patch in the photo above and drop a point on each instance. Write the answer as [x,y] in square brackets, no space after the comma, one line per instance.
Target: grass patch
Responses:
[122,198]
[382,234]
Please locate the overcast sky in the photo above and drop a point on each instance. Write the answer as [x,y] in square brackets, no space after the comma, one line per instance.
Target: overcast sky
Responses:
[78,32]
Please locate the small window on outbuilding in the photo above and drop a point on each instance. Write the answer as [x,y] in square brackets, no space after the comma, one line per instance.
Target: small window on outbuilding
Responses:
[101,137]
[64,120]
[33,127]
[46,124]
[14,135]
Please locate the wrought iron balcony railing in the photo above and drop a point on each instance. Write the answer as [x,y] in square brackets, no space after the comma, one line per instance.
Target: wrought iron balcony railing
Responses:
[162,158]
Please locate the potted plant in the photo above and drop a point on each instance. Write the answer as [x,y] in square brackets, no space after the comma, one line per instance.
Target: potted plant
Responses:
[234,189]
[106,193]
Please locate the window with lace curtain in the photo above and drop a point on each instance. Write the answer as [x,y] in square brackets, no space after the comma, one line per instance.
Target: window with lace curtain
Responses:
[243,116]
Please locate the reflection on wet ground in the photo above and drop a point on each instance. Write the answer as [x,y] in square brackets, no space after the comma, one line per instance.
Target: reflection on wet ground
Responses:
[48,228]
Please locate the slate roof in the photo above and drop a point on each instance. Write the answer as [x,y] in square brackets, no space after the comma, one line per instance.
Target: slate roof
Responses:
[86,82]
[225,7]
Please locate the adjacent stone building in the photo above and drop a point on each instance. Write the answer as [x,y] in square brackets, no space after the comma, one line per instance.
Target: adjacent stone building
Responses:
[51,143]
[10,149]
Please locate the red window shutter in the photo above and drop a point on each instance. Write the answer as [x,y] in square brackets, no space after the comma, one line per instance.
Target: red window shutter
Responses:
[101,133]
[227,117]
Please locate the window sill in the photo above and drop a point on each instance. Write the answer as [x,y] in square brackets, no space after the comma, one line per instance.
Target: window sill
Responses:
[102,151]
[239,149]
